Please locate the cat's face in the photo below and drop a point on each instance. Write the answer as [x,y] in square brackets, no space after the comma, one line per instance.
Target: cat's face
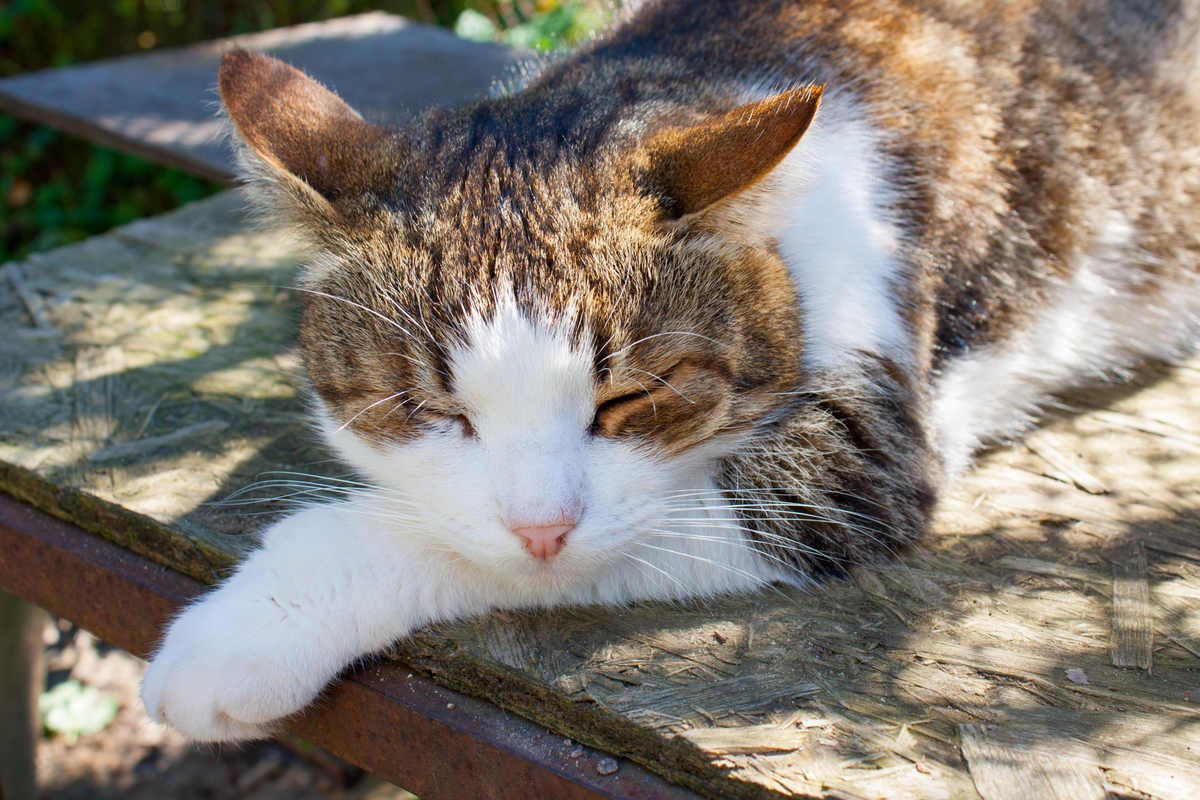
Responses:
[522,391]
[534,346]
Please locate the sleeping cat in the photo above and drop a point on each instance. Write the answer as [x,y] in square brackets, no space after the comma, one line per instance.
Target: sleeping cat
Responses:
[721,299]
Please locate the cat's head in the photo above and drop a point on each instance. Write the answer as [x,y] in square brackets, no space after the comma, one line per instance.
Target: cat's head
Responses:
[521,318]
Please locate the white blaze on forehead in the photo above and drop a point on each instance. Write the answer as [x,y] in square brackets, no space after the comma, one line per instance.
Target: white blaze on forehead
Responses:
[516,374]
[528,393]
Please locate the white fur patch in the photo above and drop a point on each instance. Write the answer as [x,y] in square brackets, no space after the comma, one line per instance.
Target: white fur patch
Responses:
[528,393]
[1095,329]
[826,210]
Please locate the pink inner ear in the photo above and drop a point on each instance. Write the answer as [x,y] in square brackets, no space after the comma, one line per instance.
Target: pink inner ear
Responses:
[295,123]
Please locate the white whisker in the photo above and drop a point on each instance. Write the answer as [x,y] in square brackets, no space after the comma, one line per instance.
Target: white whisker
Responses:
[653,567]
[365,410]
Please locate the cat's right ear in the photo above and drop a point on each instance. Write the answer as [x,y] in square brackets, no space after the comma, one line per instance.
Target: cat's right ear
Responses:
[305,140]
[692,168]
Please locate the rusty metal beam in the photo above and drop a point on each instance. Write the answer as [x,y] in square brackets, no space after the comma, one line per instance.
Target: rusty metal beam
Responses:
[407,730]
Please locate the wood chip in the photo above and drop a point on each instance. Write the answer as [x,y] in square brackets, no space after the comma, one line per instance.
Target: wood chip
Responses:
[1189,647]
[1069,466]
[1039,567]
[744,740]
[1004,771]
[1132,640]
[1147,426]
[871,586]
[1170,548]
[33,301]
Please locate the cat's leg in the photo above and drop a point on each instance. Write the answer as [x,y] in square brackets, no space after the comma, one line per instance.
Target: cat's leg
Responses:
[329,585]
[849,478]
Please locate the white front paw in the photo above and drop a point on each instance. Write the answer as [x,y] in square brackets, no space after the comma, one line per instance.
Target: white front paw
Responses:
[220,677]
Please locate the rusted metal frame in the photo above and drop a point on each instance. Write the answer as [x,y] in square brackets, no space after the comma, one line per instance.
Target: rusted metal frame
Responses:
[407,730]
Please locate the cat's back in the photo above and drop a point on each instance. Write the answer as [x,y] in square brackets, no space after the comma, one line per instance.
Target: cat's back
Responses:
[1016,130]
[1039,160]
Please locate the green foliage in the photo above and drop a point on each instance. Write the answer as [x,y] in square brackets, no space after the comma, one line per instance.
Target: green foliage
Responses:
[551,25]
[476,26]
[56,189]
[72,709]
[43,33]
[558,26]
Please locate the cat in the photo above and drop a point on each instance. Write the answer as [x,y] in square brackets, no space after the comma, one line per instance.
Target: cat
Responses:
[725,297]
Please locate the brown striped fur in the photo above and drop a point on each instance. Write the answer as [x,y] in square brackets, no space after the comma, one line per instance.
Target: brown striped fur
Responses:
[606,192]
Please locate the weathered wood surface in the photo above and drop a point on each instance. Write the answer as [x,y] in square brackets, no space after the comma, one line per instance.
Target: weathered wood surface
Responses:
[160,105]
[148,376]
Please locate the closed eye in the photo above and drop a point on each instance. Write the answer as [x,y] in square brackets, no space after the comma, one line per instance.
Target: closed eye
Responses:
[673,408]
[613,408]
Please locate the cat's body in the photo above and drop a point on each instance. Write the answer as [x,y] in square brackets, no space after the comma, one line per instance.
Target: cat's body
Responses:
[638,330]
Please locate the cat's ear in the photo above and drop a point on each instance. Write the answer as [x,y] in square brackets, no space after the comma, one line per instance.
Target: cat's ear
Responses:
[693,167]
[296,127]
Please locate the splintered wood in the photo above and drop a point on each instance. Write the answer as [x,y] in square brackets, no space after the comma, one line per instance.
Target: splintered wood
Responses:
[1132,626]
[148,392]
[1005,770]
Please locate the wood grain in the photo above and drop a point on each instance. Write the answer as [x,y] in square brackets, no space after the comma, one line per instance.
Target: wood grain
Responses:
[1004,770]
[1132,617]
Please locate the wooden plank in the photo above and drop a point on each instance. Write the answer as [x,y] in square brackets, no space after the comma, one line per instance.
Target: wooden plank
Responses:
[161,105]
[749,739]
[1004,770]
[1132,641]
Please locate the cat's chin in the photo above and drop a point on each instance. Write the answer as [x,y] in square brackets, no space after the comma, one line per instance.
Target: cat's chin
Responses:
[566,577]
[557,574]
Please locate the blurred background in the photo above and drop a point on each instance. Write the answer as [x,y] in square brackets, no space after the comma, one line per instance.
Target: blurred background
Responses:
[56,189]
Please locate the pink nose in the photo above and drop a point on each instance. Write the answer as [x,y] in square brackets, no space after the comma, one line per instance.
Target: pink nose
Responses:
[543,542]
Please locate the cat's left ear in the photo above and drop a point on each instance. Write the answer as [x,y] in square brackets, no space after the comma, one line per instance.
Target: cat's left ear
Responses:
[694,167]
[307,136]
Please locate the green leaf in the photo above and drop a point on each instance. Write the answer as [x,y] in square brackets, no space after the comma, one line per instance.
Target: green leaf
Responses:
[475,26]
[560,25]
[73,709]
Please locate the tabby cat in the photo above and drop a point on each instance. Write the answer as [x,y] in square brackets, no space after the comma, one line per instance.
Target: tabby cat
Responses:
[723,298]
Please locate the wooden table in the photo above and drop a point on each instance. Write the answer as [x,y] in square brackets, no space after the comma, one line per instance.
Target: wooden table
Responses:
[1044,642]
[162,105]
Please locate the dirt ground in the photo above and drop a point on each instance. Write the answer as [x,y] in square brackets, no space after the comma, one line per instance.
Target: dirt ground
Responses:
[134,759]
